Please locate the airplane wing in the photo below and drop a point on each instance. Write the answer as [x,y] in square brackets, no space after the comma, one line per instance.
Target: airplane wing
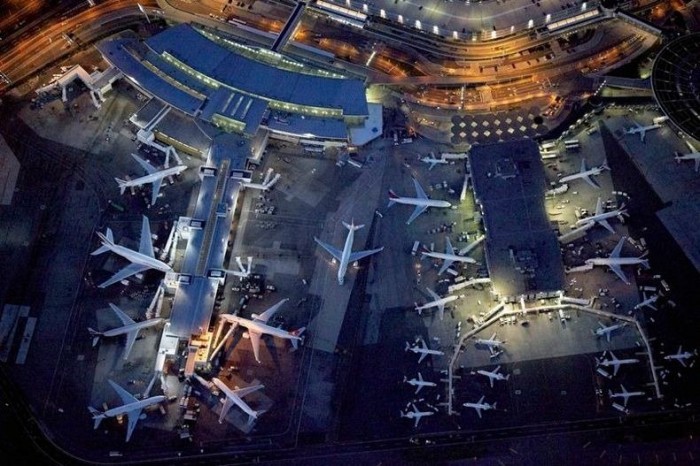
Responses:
[146,244]
[697,164]
[607,225]
[156,189]
[618,248]
[433,294]
[126,320]
[227,403]
[617,367]
[478,411]
[583,166]
[419,190]
[491,380]
[618,271]
[132,418]
[642,133]
[265,316]
[145,165]
[607,336]
[241,392]
[129,270]
[445,265]
[255,341]
[130,340]
[682,362]
[356,256]
[418,388]
[599,207]
[337,253]
[416,212]
[690,146]
[125,396]
[448,246]
[590,181]
[422,356]
[415,424]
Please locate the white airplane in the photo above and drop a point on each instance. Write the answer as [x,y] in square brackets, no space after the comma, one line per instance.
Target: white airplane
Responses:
[492,343]
[346,256]
[615,262]
[585,174]
[493,375]
[614,362]
[466,249]
[692,155]
[624,394]
[141,260]
[649,302]
[415,414]
[480,405]
[421,201]
[607,331]
[258,327]
[641,130]
[129,328]
[681,356]
[432,160]
[266,184]
[235,397]
[601,217]
[438,302]
[449,257]
[131,408]
[153,176]
[419,382]
[422,348]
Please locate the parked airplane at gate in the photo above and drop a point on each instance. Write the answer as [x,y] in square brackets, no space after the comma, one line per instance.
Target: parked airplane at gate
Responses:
[692,155]
[432,160]
[585,174]
[235,396]
[449,257]
[480,405]
[649,302]
[129,327]
[624,394]
[153,176]
[421,201]
[681,356]
[131,408]
[141,260]
[493,375]
[422,348]
[615,262]
[641,130]
[258,327]
[601,218]
[415,414]
[346,256]
[419,383]
[603,330]
[492,343]
[438,302]
[614,362]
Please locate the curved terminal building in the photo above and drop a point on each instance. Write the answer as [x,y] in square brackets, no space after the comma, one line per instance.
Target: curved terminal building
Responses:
[239,88]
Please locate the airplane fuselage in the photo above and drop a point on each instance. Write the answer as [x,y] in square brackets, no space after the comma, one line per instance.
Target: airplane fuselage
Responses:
[491,375]
[599,217]
[150,178]
[489,343]
[592,171]
[260,327]
[235,398]
[679,357]
[131,327]
[452,257]
[615,261]
[641,129]
[437,303]
[618,362]
[345,257]
[134,406]
[421,202]
[134,256]
[426,351]
[420,383]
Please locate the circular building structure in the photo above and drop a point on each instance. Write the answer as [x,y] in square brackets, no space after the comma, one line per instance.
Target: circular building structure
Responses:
[675,80]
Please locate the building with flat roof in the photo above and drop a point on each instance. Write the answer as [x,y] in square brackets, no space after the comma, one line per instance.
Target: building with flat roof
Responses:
[522,252]
[239,88]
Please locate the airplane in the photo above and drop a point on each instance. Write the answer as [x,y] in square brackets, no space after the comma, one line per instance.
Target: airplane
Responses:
[266,184]
[419,382]
[492,343]
[346,256]
[415,414]
[449,256]
[153,176]
[434,161]
[131,408]
[692,155]
[614,261]
[493,375]
[438,302]
[624,394]
[601,217]
[641,130]
[616,363]
[585,174]
[422,348]
[258,327]
[235,396]
[466,249]
[649,302]
[607,331]
[480,405]
[141,260]
[681,356]
[128,328]
[421,201]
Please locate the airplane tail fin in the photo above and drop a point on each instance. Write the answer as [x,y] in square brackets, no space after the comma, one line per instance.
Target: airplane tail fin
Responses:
[97,416]
[392,198]
[404,378]
[645,263]
[407,347]
[107,240]
[507,376]
[351,226]
[494,404]
[605,166]
[122,185]
[297,333]
[95,335]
